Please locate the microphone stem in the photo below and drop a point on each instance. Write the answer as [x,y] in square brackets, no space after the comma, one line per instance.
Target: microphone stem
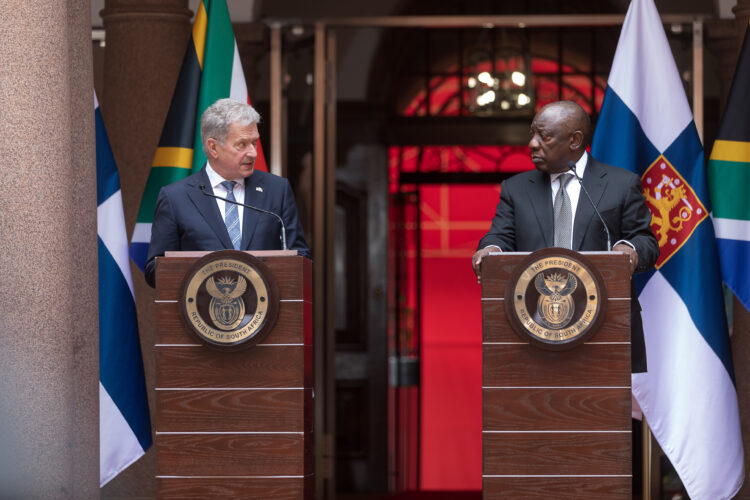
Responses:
[572,167]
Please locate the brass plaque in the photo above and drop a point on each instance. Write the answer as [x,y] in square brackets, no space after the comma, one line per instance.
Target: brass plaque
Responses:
[555,298]
[229,300]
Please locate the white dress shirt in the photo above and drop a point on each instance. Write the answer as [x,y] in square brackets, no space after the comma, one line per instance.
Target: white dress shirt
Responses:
[239,191]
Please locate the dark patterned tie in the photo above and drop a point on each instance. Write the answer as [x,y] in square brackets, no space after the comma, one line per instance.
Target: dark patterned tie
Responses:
[563,214]
[232,216]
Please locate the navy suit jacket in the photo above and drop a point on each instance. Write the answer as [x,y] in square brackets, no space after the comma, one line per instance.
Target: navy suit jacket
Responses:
[524,222]
[186,219]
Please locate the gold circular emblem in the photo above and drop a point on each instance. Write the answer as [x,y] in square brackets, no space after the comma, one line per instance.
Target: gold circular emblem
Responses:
[229,300]
[555,298]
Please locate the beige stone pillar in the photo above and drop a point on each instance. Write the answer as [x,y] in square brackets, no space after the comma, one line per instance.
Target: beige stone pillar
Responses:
[49,371]
[145,45]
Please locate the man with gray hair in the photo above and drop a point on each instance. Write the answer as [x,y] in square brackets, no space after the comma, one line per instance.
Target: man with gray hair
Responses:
[187,217]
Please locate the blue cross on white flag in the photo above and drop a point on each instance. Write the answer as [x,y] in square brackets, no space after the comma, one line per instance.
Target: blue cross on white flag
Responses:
[688,395]
[124,425]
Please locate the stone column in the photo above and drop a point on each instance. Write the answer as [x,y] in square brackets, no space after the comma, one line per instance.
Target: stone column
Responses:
[49,371]
[145,45]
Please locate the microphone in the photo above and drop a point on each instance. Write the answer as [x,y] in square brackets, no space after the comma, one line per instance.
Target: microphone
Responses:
[267,212]
[572,168]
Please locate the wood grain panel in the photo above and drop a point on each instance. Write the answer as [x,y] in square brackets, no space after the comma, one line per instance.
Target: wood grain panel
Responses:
[497,269]
[616,326]
[269,366]
[556,409]
[288,271]
[585,365]
[232,411]
[223,489]
[289,328]
[556,453]
[230,455]
[559,488]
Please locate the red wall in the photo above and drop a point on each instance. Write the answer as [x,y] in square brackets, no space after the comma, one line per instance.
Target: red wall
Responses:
[454,218]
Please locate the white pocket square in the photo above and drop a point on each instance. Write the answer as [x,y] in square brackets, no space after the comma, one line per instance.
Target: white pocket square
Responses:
[258,188]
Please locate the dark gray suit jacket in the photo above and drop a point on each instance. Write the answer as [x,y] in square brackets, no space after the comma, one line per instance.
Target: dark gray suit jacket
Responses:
[524,222]
[186,219]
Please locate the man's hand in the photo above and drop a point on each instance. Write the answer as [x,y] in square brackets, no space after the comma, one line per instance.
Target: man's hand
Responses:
[476,259]
[632,255]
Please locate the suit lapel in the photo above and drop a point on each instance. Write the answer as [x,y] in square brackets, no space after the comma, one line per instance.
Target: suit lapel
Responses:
[593,180]
[540,195]
[208,207]
[255,196]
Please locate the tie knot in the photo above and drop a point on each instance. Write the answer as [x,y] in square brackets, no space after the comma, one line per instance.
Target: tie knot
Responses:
[228,185]
[564,178]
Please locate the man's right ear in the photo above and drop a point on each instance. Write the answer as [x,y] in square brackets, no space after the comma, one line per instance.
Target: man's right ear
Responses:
[211,146]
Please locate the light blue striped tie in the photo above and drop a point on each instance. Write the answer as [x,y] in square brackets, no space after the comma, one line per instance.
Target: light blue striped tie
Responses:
[232,216]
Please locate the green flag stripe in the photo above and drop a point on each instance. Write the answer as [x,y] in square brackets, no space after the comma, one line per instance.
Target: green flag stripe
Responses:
[728,183]
[217,67]
[158,177]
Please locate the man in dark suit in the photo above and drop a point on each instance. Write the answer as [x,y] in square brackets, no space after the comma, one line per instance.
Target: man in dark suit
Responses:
[187,219]
[525,217]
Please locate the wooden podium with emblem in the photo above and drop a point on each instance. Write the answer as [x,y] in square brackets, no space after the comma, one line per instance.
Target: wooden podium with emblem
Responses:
[234,409]
[556,399]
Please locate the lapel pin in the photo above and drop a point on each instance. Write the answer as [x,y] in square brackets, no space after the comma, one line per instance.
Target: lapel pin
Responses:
[258,188]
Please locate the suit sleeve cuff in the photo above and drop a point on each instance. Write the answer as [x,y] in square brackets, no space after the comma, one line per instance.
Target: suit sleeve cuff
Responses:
[625,242]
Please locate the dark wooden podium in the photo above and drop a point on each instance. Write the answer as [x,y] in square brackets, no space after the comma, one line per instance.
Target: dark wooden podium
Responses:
[235,424]
[556,424]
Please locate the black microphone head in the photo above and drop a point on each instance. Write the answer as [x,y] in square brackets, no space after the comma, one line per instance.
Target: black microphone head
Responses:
[572,166]
[202,187]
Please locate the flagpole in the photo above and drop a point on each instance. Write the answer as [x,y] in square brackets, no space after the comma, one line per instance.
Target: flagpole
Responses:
[698,76]
[277,164]
[647,465]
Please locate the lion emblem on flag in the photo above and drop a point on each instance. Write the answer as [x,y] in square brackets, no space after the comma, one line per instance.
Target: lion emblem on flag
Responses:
[675,209]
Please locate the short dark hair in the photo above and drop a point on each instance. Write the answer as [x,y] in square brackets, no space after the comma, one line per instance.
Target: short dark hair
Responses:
[576,117]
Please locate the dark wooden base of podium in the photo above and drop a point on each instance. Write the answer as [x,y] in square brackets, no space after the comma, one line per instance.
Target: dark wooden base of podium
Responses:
[235,424]
[556,424]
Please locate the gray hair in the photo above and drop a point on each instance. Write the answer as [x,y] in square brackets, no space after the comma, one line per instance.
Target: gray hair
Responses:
[217,117]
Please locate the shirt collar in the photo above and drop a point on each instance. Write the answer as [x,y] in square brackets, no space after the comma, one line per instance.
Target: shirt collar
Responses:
[580,167]
[215,179]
